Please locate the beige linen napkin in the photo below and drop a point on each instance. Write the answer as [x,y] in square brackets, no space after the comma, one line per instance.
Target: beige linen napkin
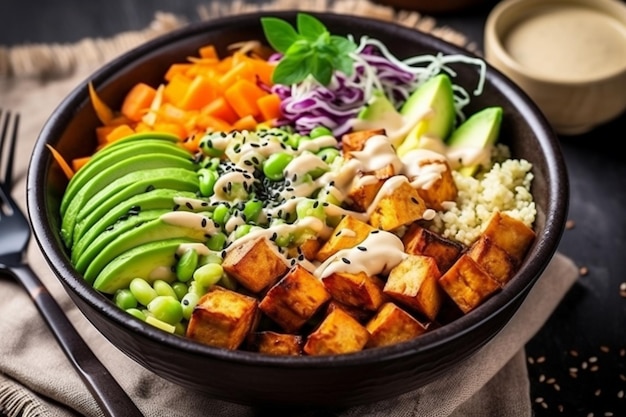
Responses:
[37,380]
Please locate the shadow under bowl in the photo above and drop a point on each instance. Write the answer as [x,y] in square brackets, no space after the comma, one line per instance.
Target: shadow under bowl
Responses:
[252,378]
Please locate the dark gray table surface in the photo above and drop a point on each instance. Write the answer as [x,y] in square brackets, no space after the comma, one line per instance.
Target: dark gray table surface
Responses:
[588,329]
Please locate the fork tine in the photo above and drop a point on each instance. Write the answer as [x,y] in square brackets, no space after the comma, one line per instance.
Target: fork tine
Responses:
[8,174]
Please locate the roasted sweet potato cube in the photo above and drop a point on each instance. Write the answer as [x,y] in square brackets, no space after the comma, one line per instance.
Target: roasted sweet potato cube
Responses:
[468,284]
[391,325]
[510,234]
[355,141]
[337,333]
[357,290]
[347,234]
[223,318]
[273,343]
[400,205]
[255,264]
[421,241]
[366,188]
[413,284]
[493,259]
[294,299]
[434,181]
[308,249]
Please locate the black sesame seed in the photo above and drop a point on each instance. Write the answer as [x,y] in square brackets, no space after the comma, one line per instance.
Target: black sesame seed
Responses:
[204,222]
[361,248]
[375,231]
[346,260]
[189,205]
[176,207]
[414,200]
[223,254]
[149,188]
[316,204]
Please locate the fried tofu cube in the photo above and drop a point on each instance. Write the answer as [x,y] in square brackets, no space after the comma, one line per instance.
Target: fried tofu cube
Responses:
[359,314]
[337,333]
[468,284]
[366,188]
[421,241]
[510,234]
[223,318]
[392,325]
[348,233]
[273,343]
[493,259]
[357,290]
[308,249]
[399,205]
[436,184]
[413,284]
[294,299]
[255,264]
[355,141]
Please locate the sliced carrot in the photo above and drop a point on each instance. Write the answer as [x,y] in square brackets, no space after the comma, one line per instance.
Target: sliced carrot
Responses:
[242,97]
[103,112]
[245,123]
[176,89]
[78,163]
[174,69]
[220,108]
[240,71]
[199,93]
[172,128]
[137,101]
[208,51]
[119,132]
[269,106]
[206,121]
[67,170]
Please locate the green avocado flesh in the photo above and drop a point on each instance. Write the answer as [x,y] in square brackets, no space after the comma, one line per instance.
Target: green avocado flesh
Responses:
[129,146]
[132,184]
[479,131]
[150,261]
[94,242]
[436,97]
[110,174]
[155,199]
[151,231]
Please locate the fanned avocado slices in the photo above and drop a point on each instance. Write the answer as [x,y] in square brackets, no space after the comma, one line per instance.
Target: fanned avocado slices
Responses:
[150,261]
[110,174]
[158,229]
[121,149]
[95,242]
[155,199]
[132,184]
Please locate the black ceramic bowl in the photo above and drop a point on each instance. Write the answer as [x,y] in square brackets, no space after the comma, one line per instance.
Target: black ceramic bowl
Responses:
[252,378]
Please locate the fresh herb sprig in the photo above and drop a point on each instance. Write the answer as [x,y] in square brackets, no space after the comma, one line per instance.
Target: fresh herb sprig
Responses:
[308,50]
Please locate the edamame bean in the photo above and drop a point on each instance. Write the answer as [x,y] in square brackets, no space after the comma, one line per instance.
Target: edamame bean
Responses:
[208,275]
[188,303]
[216,242]
[252,209]
[180,288]
[124,299]
[207,179]
[328,155]
[187,263]
[142,290]
[163,288]
[319,131]
[221,214]
[242,230]
[308,207]
[275,165]
[166,308]
[211,258]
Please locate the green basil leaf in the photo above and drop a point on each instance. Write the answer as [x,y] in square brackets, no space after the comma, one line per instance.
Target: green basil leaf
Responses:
[310,27]
[321,69]
[343,45]
[290,71]
[279,33]
[344,64]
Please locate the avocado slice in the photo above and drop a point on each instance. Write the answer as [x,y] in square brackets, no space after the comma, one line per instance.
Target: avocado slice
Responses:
[95,242]
[110,174]
[160,198]
[476,135]
[150,261]
[154,230]
[435,100]
[132,184]
[380,113]
[115,152]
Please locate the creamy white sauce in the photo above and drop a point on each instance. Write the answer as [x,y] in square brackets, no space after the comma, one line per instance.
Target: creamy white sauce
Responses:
[568,42]
[190,220]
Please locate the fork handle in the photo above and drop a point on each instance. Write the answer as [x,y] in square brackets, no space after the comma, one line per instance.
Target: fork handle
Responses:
[109,395]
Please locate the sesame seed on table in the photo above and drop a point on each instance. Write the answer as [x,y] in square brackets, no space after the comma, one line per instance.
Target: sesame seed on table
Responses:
[577,361]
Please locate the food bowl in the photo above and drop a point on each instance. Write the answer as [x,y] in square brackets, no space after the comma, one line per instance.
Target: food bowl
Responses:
[550,49]
[249,377]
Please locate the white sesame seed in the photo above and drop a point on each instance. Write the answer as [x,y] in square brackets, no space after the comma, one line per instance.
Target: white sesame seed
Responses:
[557,387]
[593,359]
[597,392]
[541,359]
[620,394]
[583,270]
[531,360]
[550,381]
[573,352]
[594,368]
[608,414]
[539,399]
[544,405]
[604,349]
[583,365]
[542,378]
[560,407]
[573,370]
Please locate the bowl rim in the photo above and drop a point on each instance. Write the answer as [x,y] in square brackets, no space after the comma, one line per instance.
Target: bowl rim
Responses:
[50,245]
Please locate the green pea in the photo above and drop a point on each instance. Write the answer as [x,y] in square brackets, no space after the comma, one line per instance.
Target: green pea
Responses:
[221,214]
[163,288]
[187,263]
[242,230]
[309,207]
[166,308]
[319,131]
[136,313]
[180,289]
[252,209]
[208,275]
[211,258]
[124,299]
[217,241]
[142,290]
[275,165]
[188,303]
[284,240]
[207,179]
[328,155]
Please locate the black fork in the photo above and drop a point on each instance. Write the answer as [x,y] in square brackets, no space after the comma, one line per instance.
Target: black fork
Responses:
[14,237]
